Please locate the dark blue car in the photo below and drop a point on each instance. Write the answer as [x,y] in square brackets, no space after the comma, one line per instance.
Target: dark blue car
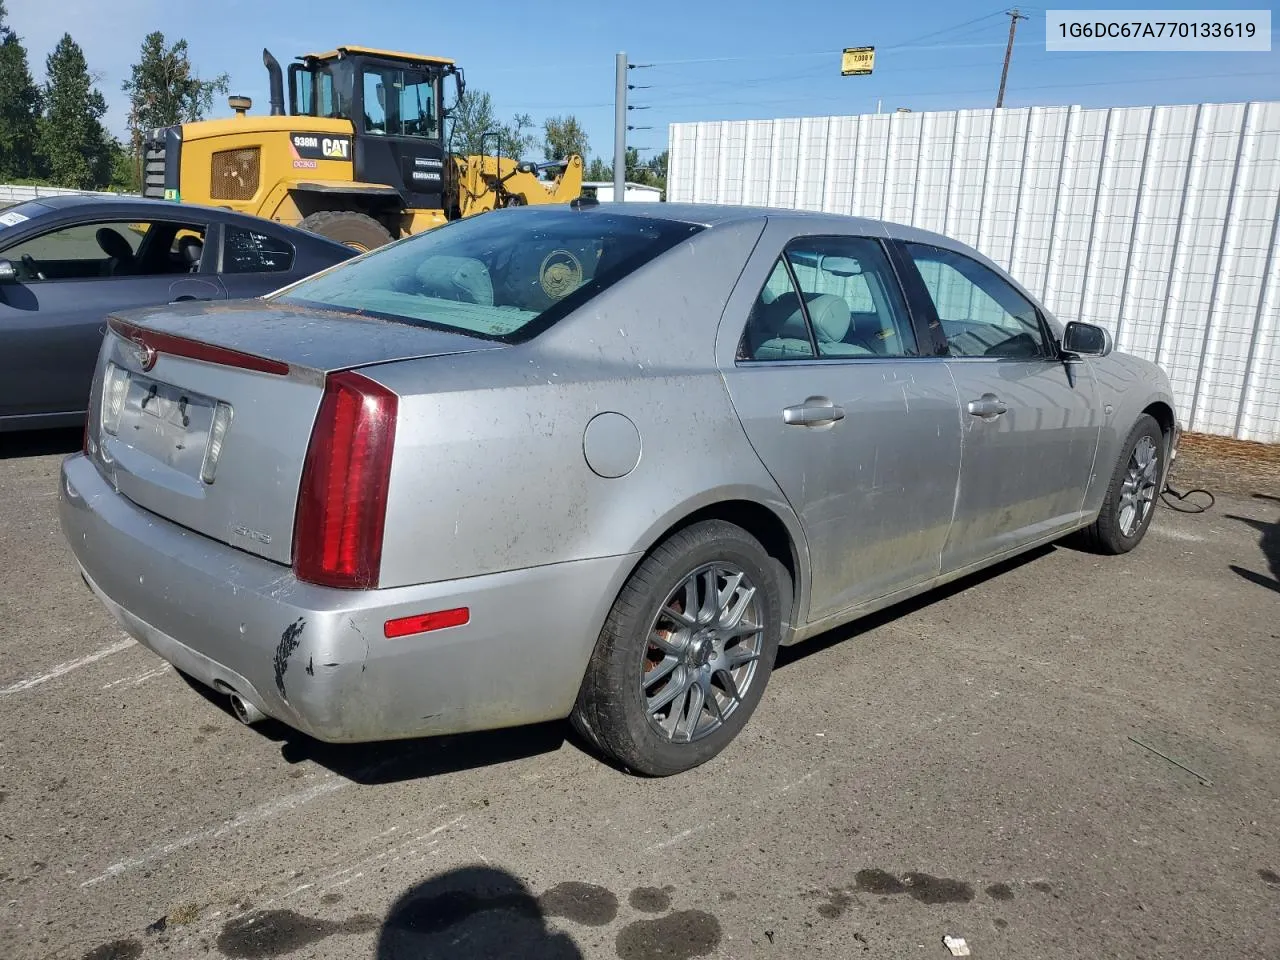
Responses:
[68,261]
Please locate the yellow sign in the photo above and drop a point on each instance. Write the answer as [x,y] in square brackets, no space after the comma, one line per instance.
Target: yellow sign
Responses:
[857,61]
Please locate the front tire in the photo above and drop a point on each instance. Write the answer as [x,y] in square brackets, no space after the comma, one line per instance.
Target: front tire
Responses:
[686,652]
[1133,491]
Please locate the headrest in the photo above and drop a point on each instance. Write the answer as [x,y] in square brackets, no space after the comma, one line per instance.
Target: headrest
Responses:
[191,248]
[113,245]
[456,278]
[830,316]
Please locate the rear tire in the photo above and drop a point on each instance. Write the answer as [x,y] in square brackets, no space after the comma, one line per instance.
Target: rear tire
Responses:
[1132,492]
[357,230]
[667,690]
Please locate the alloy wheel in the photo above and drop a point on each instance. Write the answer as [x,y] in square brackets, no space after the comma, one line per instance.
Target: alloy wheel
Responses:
[702,653]
[1138,489]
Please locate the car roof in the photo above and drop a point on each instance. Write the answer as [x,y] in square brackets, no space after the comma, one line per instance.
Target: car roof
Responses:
[78,201]
[715,214]
[802,221]
[124,205]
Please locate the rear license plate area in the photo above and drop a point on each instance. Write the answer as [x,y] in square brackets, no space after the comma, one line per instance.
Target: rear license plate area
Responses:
[167,423]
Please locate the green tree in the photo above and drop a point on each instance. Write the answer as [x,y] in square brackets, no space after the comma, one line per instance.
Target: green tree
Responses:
[474,128]
[19,109]
[125,173]
[164,90]
[598,171]
[657,171]
[563,137]
[74,144]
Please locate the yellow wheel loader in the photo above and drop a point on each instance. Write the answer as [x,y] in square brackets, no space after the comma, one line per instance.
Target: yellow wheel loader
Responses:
[359,157]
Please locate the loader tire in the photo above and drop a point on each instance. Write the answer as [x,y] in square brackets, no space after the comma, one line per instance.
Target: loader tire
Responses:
[357,230]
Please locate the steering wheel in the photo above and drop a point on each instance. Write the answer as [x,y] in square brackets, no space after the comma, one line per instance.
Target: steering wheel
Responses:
[32,267]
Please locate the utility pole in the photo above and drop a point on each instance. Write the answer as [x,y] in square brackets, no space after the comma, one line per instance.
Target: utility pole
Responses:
[620,130]
[1014,16]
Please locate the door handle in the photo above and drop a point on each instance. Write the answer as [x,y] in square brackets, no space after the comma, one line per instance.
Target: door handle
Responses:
[187,298]
[814,412]
[988,406]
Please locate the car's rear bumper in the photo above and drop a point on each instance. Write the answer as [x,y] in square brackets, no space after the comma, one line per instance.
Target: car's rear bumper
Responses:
[316,658]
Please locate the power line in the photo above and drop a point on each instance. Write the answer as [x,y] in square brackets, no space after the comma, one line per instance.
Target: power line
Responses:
[758,58]
[1046,86]
[926,36]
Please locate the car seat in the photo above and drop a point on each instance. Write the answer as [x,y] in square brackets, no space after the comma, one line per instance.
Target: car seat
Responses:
[120,259]
[192,250]
[790,340]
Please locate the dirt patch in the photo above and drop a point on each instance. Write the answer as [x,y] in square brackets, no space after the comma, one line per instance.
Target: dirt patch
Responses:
[1223,465]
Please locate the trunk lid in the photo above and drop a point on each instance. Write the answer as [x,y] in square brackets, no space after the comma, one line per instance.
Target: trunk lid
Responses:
[202,415]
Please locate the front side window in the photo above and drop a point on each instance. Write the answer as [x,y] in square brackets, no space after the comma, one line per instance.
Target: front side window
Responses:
[400,103]
[249,251]
[503,276]
[108,249]
[832,297]
[981,314]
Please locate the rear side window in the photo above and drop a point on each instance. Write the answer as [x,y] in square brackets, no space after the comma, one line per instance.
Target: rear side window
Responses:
[504,276]
[248,251]
[829,297]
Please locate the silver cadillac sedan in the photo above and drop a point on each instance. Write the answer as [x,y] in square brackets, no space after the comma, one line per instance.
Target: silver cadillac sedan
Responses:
[594,462]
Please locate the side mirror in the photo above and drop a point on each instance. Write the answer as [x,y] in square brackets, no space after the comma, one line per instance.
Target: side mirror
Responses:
[8,272]
[1086,340]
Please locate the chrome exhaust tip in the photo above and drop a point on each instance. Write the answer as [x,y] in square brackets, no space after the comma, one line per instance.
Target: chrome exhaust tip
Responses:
[245,711]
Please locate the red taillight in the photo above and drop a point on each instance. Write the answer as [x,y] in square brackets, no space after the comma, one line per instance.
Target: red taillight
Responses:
[342,505]
[426,622]
[151,343]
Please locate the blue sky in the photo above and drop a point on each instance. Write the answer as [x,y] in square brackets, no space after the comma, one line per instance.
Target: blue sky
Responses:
[713,59]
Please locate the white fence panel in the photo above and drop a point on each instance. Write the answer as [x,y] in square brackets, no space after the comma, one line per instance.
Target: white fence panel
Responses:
[11,193]
[1160,223]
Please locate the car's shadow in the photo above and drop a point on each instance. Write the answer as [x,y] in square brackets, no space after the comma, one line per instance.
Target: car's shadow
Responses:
[40,443]
[807,648]
[1270,544]
[399,760]
[392,761]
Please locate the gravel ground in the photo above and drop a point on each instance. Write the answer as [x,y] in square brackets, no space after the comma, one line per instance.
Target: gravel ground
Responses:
[983,763]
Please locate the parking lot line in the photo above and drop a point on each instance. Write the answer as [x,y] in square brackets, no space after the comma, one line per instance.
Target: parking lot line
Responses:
[64,668]
[264,811]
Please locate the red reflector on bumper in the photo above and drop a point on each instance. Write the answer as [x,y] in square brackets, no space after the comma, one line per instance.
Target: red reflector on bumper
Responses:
[426,622]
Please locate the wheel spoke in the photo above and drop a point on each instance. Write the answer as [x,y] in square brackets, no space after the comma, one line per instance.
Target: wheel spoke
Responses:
[725,596]
[732,617]
[693,710]
[678,616]
[710,596]
[674,689]
[1126,519]
[738,656]
[714,703]
[661,670]
[673,643]
[730,685]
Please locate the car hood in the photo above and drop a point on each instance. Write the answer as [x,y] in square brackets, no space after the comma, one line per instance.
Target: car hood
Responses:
[311,337]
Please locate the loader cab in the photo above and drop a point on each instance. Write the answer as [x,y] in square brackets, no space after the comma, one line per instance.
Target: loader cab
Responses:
[395,104]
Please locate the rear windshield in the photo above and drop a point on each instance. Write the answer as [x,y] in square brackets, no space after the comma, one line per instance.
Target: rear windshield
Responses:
[505,275]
